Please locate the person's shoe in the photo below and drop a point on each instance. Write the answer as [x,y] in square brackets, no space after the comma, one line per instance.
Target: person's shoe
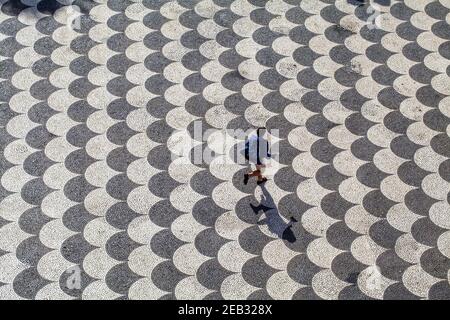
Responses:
[261,181]
[255,208]
[246,177]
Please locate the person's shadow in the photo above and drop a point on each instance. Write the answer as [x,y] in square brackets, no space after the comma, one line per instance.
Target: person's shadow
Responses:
[363,2]
[272,219]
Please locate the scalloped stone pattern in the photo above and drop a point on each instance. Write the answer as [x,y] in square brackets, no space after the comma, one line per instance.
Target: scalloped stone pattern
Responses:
[89,188]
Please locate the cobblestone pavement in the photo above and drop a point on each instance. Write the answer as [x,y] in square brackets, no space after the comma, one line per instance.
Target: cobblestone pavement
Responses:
[94,205]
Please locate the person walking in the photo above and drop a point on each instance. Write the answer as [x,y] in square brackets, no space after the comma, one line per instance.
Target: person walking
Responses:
[257,153]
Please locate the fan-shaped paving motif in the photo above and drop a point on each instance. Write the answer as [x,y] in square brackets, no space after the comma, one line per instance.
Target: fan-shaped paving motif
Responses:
[93,205]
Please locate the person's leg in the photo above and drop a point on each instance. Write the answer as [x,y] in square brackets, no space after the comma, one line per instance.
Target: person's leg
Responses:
[261,178]
[255,173]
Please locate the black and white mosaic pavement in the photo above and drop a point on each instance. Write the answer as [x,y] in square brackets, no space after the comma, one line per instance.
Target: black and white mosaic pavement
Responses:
[93,206]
